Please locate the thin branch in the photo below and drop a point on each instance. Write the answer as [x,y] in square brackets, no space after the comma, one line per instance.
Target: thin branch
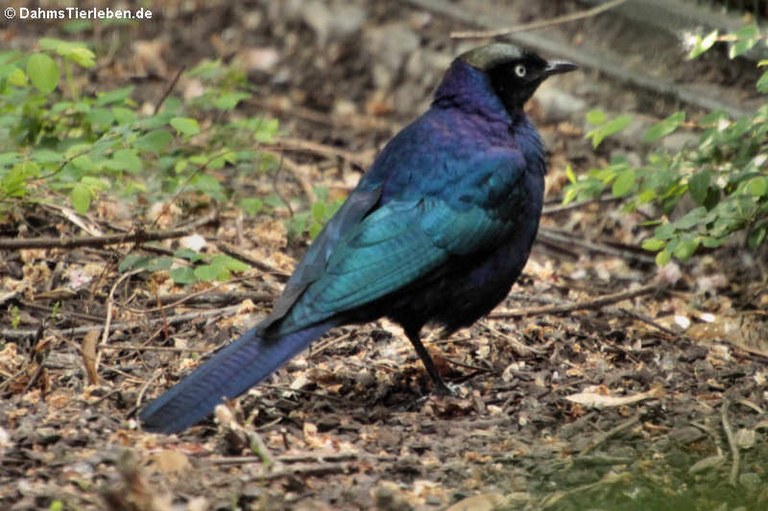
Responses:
[13,334]
[297,144]
[554,237]
[595,303]
[138,236]
[610,433]
[735,453]
[567,18]
[232,251]
[170,88]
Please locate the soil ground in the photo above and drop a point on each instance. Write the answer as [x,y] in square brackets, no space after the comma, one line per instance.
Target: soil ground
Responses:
[654,402]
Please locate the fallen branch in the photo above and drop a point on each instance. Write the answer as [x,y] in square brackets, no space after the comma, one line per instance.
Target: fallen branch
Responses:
[610,433]
[137,237]
[595,303]
[567,18]
[11,334]
[735,453]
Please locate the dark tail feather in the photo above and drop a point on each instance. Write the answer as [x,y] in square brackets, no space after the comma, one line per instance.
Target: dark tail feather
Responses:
[230,372]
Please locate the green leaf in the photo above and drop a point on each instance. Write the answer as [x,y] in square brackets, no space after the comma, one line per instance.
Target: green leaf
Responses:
[113,96]
[131,261]
[189,255]
[746,38]
[698,186]
[570,174]
[153,142]
[757,237]
[183,275]
[126,159]
[664,231]
[17,77]
[624,184]
[685,248]
[229,263]
[229,100]
[762,83]
[43,72]
[653,244]
[252,206]
[609,128]
[185,125]
[80,56]
[595,117]
[209,273]
[702,44]
[80,197]
[663,128]
[757,186]
[663,258]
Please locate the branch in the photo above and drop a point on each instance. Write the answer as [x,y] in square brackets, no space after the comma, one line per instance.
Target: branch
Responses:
[138,236]
[567,18]
[596,303]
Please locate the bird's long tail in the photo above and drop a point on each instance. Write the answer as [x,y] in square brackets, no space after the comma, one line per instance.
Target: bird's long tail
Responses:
[230,372]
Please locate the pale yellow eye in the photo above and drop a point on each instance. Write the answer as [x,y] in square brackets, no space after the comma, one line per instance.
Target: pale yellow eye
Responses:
[520,70]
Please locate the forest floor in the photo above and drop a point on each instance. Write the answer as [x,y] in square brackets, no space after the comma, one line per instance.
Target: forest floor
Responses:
[601,383]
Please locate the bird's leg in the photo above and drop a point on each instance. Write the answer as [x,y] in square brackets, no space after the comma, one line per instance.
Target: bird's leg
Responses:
[441,388]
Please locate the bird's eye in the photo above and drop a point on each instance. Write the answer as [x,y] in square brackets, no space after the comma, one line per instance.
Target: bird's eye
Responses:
[520,70]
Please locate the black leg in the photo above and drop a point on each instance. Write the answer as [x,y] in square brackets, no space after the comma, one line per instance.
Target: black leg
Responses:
[441,388]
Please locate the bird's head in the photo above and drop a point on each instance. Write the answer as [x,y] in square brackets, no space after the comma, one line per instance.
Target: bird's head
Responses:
[515,74]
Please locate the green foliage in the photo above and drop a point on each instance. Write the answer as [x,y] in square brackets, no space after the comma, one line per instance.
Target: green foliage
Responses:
[186,266]
[60,145]
[311,222]
[724,175]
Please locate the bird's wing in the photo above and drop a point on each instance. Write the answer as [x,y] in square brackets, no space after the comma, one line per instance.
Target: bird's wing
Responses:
[395,245]
[313,264]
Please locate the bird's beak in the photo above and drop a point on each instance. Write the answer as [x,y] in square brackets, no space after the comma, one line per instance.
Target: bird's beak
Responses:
[556,67]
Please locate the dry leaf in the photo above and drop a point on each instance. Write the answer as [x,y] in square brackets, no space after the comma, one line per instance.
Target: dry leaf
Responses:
[596,400]
[170,462]
[484,502]
[88,348]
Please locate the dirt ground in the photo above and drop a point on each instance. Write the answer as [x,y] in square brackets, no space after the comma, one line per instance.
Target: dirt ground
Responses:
[648,394]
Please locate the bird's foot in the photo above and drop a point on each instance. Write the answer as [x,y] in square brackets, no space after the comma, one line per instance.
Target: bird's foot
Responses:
[445,389]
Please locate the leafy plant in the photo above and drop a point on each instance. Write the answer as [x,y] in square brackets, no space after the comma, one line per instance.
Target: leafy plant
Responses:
[57,143]
[725,174]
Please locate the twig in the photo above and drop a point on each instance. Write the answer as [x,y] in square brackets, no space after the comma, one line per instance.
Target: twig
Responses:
[231,250]
[521,348]
[169,89]
[595,303]
[567,18]
[138,236]
[610,433]
[315,469]
[12,334]
[171,349]
[294,169]
[296,144]
[647,320]
[9,297]
[110,308]
[301,458]
[612,66]
[735,453]
[552,209]
[555,237]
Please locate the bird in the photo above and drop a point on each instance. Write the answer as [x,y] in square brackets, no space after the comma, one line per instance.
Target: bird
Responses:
[435,233]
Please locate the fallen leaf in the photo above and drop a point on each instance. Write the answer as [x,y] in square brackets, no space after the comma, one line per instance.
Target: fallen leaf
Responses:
[483,502]
[602,401]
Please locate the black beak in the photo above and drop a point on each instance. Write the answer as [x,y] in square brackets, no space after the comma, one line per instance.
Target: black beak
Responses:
[556,67]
